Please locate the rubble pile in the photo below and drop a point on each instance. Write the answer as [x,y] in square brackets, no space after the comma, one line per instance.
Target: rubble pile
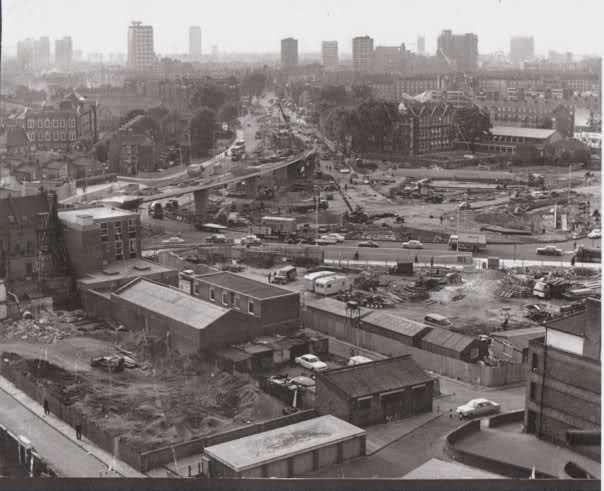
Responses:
[47,327]
[515,286]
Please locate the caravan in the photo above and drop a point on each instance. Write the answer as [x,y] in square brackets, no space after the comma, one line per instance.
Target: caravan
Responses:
[311,278]
[328,285]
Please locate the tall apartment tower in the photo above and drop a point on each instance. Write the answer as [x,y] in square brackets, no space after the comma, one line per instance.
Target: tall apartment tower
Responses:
[421,45]
[362,53]
[140,45]
[63,52]
[289,52]
[195,43]
[521,49]
[460,48]
[329,52]
[42,52]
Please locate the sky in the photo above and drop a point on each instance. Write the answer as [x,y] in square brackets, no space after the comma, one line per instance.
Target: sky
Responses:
[258,25]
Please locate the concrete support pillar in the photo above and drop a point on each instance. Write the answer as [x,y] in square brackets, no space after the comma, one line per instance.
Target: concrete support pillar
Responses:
[201,202]
[251,186]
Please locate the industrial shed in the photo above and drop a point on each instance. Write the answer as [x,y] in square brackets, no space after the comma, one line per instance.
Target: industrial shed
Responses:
[404,330]
[288,451]
[190,325]
[333,318]
[513,345]
[454,345]
[375,392]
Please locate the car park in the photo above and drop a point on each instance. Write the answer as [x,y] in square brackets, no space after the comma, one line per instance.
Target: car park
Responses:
[478,407]
[413,244]
[311,362]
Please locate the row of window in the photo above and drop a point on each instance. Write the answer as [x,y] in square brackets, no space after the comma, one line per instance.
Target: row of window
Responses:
[47,123]
[117,227]
[54,135]
[228,298]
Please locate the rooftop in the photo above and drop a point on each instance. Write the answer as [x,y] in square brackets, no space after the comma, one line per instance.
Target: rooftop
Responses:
[334,307]
[281,443]
[19,207]
[440,469]
[98,213]
[400,325]
[243,285]
[128,269]
[376,377]
[447,339]
[171,302]
[571,324]
[17,136]
[522,132]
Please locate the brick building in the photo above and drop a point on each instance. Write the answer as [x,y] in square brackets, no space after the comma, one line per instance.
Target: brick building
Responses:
[18,142]
[505,139]
[564,384]
[98,237]
[375,392]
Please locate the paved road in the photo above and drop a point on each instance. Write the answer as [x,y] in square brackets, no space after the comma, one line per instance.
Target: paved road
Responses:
[67,457]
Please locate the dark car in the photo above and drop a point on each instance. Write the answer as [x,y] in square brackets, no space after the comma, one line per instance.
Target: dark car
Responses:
[549,250]
[367,243]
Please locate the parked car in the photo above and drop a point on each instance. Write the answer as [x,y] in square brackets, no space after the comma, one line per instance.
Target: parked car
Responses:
[323,229]
[549,250]
[251,240]
[173,240]
[326,240]
[478,407]
[437,320]
[358,360]
[367,243]
[216,238]
[464,205]
[338,237]
[311,362]
[596,233]
[413,244]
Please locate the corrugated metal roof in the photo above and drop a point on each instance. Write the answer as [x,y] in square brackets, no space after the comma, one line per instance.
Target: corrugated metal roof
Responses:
[233,354]
[377,376]
[572,324]
[256,349]
[519,338]
[243,285]
[447,339]
[171,302]
[333,307]
[400,325]
[521,132]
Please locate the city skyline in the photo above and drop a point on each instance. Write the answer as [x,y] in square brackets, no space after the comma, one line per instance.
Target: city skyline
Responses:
[316,22]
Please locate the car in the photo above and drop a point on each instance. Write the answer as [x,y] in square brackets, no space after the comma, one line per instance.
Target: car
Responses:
[307,240]
[596,233]
[338,237]
[549,250]
[413,244]
[464,205]
[326,240]
[251,240]
[311,362]
[216,238]
[323,229]
[173,240]
[345,170]
[477,407]
[367,243]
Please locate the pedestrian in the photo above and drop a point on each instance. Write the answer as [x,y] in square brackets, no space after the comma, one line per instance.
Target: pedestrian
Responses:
[575,244]
[416,259]
[431,262]
[356,255]
[269,277]
[505,323]
[78,429]
[441,220]
[46,407]
[572,261]
[450,414]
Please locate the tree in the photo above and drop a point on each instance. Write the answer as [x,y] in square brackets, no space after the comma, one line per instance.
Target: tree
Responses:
[203,126]
[148,125]
[360,93]
[525,153]
[337,125]
[228,112]
[253,83]
[371,121]
[545,123]
[567,151]
[131,115]
[101,151]
[470,124]
[333,95]
[208,96]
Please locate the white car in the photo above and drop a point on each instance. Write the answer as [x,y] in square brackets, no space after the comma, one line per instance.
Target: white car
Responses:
[413,244]
[478,407]
[311,362]
[326,240]
[596,233]
[338,237]
[173,240]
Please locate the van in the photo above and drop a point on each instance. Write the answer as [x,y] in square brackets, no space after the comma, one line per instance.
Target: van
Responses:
[437,320]
[285,275]
[358,360]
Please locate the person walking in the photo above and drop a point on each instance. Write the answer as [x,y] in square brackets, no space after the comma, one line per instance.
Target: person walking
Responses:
[46,407]
[432,262]
[356,255]
[78,429]
[269,277]
[505,323]
[572,261]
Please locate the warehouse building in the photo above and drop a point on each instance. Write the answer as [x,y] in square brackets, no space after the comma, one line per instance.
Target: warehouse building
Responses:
[403,330]
[454,345]
[375,392]
[286,452]
[513,345]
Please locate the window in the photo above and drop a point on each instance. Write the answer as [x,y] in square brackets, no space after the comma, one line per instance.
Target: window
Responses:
[119,250]
[131,224]
[365,403]
[132,247]
[62,123]
[47,123]
[250,307]
[72,135]
[118,227]
[104,227]
[40,123]
[237,302]
[535,361]
[47,136]
[30,246]
[508,350]
[473,353]
[533,391]
[72,123]
[225,298]
[212,295]
[55,135]
[196,289]
[31,123]
[28,269]
[55,123]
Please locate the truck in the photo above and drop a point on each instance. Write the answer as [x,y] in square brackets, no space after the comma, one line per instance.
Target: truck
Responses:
[280,225]
[467,242]
[285,275]
[587,254]
[156,210]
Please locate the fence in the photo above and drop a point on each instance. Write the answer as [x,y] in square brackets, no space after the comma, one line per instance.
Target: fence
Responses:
[164,455]
[108,441]
[346,350]
[506,418]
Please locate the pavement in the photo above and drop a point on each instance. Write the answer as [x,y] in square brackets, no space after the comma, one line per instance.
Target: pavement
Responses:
[509,444]
[55,441]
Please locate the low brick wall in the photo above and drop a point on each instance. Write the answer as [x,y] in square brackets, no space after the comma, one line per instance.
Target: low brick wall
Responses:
[164,455]
[506,418]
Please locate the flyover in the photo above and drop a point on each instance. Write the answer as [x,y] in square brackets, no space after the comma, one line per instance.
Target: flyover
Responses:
[283,170]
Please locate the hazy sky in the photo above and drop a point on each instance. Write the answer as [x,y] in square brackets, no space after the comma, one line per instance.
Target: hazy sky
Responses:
[258,25]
